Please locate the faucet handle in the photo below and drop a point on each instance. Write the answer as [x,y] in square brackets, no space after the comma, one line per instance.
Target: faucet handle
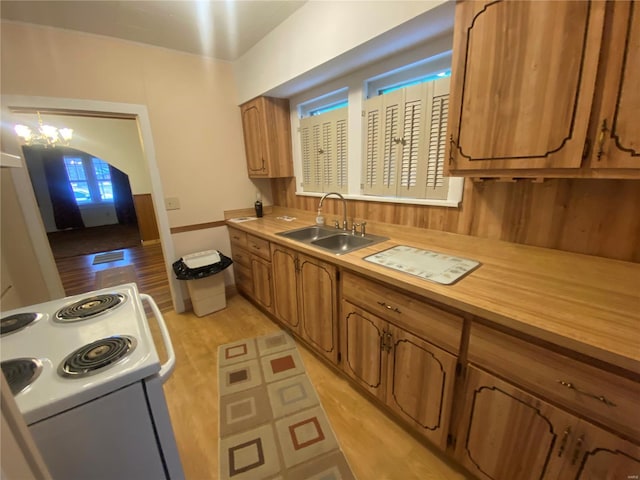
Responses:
[363,230]
[354,227]
[336,223]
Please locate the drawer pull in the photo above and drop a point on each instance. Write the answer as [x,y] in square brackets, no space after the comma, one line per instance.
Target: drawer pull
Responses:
[601,398]
[389,307]
[563,443]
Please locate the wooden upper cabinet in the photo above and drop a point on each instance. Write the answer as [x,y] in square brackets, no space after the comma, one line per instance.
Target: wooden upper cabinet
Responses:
[523,81]
[267,137]
[618,138]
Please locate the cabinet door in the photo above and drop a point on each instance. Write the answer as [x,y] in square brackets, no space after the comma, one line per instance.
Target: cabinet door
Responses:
[619,143]
[318,305]
[420,384]
[363,358]
[523,79]
[599,455]
[285,285]
[507,434]
[262,288]
[254,138]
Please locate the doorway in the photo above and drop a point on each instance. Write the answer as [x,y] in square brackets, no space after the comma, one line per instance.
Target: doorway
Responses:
[86,204]
[75,110]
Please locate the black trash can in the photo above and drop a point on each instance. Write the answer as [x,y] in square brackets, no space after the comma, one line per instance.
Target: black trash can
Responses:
[206,287]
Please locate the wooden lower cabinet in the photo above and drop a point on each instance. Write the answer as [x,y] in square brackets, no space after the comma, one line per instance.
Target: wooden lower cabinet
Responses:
[305,298]
[285,283]
[262,287]
[507,433]
[413,377]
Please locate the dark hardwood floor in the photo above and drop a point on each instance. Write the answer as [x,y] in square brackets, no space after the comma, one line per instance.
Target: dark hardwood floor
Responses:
[78,274]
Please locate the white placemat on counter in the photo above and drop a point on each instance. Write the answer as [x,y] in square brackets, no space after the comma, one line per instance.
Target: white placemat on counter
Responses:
[426,264]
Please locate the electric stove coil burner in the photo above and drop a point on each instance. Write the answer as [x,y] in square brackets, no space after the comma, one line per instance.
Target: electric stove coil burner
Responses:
[89,307]
[13,323]
[21,372]
[91,358]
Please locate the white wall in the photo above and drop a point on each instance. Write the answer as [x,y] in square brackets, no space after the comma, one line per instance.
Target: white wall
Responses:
[322,31]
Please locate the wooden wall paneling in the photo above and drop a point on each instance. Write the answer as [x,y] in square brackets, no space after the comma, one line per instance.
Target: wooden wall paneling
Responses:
[146,217]
[590,216]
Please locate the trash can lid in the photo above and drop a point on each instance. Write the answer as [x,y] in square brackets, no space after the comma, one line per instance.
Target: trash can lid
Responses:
[200,259]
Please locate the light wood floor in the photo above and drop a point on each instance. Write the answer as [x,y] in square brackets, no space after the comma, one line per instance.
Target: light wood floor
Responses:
[376,447]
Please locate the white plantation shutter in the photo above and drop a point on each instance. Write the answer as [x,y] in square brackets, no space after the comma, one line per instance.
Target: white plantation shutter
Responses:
[341,155]
[436,185]
[404,150]
[382,143]
[324,145]
[372,134]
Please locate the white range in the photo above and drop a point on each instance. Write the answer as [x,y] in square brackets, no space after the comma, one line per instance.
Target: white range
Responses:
[87,379]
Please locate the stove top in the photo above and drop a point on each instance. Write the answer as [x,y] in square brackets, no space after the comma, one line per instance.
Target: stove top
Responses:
[89,307]
[17,321]
[98,317]
[21,372]
[92,358]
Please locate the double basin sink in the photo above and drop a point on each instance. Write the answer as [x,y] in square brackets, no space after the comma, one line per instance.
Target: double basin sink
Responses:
[331,239]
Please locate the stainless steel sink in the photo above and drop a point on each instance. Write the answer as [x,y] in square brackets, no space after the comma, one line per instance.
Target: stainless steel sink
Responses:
[308,233]
[342,242]
[330,239]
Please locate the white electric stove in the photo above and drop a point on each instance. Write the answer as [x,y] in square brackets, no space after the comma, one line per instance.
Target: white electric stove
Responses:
[87,378]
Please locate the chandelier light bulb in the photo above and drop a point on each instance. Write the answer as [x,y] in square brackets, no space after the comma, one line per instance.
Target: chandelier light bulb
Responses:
[46,135]
[23,132]
[66,133]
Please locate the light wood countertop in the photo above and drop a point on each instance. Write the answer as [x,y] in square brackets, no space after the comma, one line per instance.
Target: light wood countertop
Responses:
[590,305]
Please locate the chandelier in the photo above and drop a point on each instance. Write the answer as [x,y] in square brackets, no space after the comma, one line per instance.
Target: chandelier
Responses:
[46,135]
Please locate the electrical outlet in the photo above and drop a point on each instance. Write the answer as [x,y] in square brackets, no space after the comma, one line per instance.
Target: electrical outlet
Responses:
[172,203]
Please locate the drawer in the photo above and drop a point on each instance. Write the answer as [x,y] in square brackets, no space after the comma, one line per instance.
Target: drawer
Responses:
[244,279]
[603,396]
[237,237]
[416,316]
[241,256]
[259,247]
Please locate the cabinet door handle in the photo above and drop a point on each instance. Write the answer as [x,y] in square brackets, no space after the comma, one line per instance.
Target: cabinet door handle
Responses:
[576,452]
[389,307]
[563,443]
[600,398]
[601,137]
[389,341]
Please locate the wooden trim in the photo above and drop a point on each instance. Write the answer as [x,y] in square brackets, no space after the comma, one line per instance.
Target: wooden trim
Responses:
[198,226]
[146,243]
[146,215]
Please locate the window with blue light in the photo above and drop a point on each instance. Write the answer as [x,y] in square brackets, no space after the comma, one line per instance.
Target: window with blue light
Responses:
[90,180]
[428,78]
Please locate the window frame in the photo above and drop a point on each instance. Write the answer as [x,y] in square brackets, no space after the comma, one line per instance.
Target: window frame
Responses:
[356,85]
[91,180]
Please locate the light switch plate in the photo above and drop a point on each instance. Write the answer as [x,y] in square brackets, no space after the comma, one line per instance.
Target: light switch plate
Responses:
[172,203]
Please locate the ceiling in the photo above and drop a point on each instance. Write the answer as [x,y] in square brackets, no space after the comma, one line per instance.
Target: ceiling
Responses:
[221,29]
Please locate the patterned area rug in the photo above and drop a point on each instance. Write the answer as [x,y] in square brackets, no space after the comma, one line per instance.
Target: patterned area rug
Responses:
[272,425]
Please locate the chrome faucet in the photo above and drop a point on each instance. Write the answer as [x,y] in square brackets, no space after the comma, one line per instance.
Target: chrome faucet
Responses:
[344,207]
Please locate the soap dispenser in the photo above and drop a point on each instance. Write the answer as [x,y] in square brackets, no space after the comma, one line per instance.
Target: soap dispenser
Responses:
[258,205]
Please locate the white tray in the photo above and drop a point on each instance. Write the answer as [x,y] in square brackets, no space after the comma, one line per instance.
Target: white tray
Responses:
[432,266]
